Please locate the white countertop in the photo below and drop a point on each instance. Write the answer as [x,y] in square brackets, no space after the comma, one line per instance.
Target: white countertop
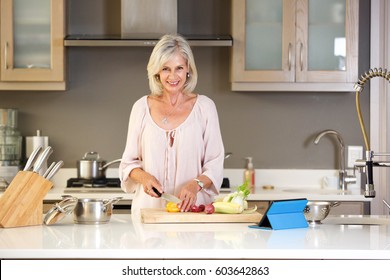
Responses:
[123,239]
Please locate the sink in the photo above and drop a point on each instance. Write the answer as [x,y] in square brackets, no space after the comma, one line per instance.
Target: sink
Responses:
[308,190]
[357,220]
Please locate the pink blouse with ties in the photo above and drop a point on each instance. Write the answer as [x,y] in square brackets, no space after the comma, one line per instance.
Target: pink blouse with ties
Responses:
[175,156]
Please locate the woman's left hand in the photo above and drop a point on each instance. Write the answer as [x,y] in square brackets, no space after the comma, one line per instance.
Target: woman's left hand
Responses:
[188,196]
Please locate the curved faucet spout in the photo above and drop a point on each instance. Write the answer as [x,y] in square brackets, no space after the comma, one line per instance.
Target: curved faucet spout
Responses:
[342,174]
[329,131]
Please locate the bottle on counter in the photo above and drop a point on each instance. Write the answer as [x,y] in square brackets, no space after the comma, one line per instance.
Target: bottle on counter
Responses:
[249,174]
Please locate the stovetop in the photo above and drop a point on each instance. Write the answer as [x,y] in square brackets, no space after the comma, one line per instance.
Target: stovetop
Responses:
[102,185]
[94,183]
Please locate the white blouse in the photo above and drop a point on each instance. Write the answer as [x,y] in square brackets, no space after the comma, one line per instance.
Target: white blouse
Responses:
[195,148]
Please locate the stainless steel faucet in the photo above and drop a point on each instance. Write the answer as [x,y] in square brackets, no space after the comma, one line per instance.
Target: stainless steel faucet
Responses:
[368,164]
[344,178]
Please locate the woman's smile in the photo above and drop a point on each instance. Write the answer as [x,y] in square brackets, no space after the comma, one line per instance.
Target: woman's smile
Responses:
[173,74]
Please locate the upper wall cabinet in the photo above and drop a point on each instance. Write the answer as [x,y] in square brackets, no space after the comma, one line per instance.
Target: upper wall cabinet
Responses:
[32,45]
[294,45]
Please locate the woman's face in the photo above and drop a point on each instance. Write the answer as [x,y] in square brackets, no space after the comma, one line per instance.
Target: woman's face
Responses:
[173,74]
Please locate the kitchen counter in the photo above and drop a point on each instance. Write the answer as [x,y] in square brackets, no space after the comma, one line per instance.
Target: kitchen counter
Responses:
[122,238]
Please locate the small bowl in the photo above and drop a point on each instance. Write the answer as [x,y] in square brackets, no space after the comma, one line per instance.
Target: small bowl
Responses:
[316,211]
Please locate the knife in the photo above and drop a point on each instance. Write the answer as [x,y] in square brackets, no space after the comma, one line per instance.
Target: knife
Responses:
[167,197]
[54,170]
[48,170]
[42,158]
[33,157]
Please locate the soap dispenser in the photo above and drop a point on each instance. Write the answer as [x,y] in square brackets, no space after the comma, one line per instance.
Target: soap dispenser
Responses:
[249,174]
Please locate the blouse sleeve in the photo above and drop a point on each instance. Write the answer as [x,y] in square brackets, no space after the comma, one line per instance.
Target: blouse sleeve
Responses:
[131,157]
[213,146]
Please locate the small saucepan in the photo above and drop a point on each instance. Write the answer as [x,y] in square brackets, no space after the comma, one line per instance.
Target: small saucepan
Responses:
[91,166]
[85,210]
[93,211]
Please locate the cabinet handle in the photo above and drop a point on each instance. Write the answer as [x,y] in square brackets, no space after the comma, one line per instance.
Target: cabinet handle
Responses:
[301,56]
[289,57]
[5,55]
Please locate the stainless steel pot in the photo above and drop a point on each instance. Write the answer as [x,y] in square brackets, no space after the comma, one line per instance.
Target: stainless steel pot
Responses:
[91,166]
[93,211]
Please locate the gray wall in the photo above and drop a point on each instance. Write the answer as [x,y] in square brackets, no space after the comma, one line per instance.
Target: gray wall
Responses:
[276,128]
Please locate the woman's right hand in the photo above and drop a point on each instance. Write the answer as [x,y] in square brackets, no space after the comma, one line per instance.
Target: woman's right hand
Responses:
[147,181]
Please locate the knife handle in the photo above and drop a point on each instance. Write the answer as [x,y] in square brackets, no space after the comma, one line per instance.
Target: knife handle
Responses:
[33,157]
[42,158]
[156,191]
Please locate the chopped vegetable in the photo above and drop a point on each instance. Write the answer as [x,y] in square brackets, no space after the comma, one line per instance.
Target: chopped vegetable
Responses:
[209,209]
[236,202]
[228,207]
[195,208]
[172,207]
[250,211]
[239,197]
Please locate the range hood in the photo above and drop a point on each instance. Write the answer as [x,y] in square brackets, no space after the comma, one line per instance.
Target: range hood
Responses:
[143,22]
[118,41]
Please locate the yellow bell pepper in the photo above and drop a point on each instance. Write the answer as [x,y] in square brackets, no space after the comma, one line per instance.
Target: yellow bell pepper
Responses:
[172,207]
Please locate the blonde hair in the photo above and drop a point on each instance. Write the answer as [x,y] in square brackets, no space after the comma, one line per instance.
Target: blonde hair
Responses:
[166,47]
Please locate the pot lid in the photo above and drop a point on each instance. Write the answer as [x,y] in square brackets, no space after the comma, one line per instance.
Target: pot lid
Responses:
[60,210]
[92,156]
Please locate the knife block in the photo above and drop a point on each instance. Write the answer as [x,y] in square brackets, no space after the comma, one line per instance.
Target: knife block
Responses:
[22,202]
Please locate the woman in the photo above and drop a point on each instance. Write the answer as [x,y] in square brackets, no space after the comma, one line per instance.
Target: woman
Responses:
[174,142]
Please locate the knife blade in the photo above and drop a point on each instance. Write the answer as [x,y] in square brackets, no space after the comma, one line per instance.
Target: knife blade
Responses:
[166,196]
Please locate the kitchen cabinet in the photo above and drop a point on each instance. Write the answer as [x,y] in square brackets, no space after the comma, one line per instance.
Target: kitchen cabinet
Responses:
[32,45]
[301,45]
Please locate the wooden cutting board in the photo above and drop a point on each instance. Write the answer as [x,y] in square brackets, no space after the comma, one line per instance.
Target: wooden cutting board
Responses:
[161,216]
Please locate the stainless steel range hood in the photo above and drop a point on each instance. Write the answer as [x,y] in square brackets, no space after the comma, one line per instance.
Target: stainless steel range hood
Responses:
[143,22]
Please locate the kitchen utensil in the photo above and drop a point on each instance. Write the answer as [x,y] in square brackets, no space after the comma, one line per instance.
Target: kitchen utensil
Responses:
[91,166]
[48,169]
[93,211]
[60,210]
[42,158]
[316,211]
[54,170]
[161,216]
[166,196]
[33,157]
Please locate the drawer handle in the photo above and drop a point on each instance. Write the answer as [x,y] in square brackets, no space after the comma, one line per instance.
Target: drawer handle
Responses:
[301,56]
[5,55]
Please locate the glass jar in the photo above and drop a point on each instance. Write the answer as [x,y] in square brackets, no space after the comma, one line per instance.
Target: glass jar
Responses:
[10,138]
[10,145]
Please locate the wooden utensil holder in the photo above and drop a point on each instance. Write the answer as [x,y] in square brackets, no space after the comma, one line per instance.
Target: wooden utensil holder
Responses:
[22,202]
